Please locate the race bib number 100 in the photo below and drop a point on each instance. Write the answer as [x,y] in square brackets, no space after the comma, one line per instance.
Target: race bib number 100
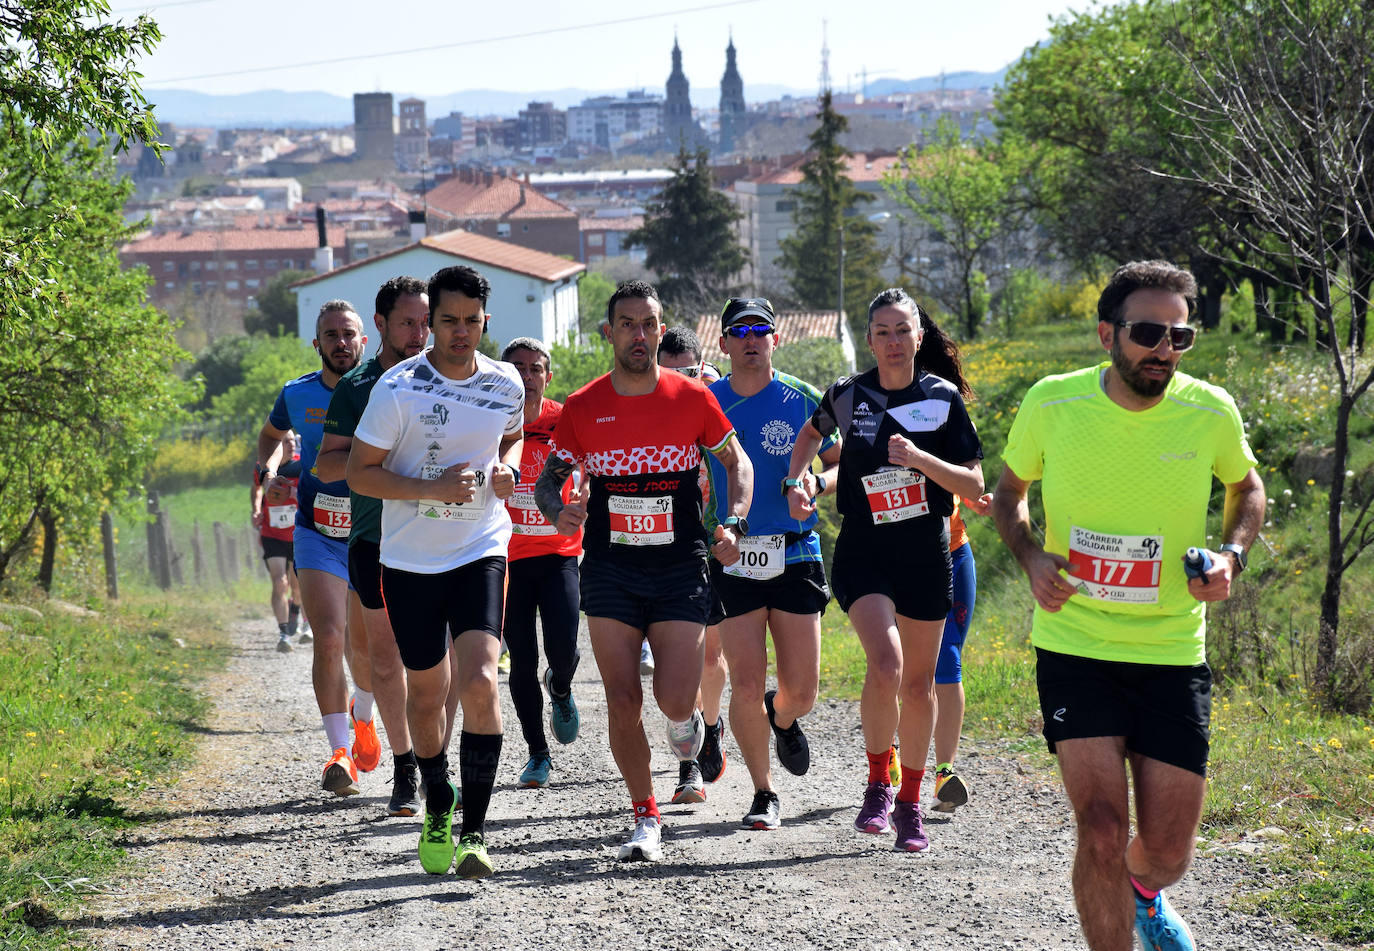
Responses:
[895,495]
[641,521]
[1123,569]
[761,558]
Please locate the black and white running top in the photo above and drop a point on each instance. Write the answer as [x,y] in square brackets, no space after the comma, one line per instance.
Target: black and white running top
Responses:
[875,497]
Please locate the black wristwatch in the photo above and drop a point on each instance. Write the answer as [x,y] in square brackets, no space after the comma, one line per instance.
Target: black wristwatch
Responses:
[739,523]
[1238,551]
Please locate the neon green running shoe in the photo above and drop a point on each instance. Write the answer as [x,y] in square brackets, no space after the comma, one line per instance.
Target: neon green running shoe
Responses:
[436,839]
[473,861]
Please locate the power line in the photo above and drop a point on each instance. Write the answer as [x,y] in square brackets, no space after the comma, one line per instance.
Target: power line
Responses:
[449,46]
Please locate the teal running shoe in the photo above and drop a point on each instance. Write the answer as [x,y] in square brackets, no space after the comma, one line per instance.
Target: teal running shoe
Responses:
[536,772]
[564,720]
[1160,927]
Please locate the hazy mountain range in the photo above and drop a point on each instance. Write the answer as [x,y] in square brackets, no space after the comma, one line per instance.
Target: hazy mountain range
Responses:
[274,107]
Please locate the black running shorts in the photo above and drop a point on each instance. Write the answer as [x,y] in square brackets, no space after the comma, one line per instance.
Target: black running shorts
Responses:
[276,548]
[365,573]
[1162,710]
[424,608]
[639,597]
[919,580]
[800,589]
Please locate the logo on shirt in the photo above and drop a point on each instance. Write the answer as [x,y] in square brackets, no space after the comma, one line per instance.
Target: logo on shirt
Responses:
[438,417]
[605,419]
[862,409]
[778,437]
[1177,456]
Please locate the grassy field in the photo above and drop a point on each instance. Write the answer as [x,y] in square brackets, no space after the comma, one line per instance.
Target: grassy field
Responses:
[1278,763]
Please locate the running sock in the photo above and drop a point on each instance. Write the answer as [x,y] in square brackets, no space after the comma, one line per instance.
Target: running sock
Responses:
[285,628]
[478,754]
[293,617]
[362,705]
[434,775]
[400,760]
[910,790]
[1145,893]
[336,728]
[878,766]
[645,809]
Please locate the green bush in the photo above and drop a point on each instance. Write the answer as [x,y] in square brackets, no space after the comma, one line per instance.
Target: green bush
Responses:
[577,364]
[200,463]
[817,360]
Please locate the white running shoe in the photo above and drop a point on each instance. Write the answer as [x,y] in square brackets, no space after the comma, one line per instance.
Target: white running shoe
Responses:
[685,738]
[306,636]
[646,844]
[646,660]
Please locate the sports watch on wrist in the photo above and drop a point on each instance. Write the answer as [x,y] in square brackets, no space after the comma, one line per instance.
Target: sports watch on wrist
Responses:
[820,484]
[739,523]
[514,471]
[1238,551]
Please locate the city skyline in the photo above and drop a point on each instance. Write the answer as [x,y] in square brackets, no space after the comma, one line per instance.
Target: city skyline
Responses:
[779,44]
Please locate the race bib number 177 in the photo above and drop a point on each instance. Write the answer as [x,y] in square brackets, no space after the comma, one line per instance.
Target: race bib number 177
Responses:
[1120,568]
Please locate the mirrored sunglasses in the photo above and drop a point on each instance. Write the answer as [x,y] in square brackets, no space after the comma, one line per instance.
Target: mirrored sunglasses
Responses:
[740,331]
[1148,334]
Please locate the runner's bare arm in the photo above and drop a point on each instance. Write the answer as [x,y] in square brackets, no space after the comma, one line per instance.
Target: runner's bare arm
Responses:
[367,476]
[1241,519]
[739,476]
[548,492]
[255,502]
[964,479]
[830,473]
[800,503]
[270,447]
[1011,513]
[332,461]
[507,465]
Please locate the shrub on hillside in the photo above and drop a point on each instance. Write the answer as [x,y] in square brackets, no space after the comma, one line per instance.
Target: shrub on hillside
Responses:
[196,463]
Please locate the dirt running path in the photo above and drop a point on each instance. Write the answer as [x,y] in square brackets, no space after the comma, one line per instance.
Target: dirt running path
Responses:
[253,855]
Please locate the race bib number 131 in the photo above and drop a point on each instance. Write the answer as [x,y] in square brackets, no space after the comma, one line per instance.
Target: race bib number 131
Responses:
[1120,568]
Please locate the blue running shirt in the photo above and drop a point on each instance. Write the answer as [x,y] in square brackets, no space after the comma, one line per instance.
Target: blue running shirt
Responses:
[767,424]
[301,406]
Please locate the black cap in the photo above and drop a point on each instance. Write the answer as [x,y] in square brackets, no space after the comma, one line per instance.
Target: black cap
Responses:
[741,308]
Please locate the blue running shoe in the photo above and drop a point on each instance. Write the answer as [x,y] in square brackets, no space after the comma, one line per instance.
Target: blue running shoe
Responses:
[1160,927]
[536,772]
[563,717]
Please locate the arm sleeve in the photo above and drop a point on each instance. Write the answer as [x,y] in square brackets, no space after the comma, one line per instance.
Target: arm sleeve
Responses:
[380,424]
[279,417]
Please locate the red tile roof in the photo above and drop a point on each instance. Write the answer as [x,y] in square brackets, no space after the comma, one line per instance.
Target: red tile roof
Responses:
[860,168]
[614,223]
[501,199]
[793,325]
[482,250]
[209,240]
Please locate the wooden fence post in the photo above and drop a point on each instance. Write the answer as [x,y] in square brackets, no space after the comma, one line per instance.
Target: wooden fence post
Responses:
[197,555]
[107,542]
[159,560]
[221,553]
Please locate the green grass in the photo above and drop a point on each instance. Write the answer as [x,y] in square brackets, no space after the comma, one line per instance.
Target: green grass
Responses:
[1276,759]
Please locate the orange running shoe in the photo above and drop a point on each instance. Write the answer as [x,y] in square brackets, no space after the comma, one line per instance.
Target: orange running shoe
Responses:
[340,775]
[367,748]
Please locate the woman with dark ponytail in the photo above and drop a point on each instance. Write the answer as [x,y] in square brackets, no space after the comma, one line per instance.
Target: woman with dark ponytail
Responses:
[908,450]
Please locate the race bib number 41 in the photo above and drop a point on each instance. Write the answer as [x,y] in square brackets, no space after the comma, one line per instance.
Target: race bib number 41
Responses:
[895,495]
[641,521]
[281,516]
[1120,568]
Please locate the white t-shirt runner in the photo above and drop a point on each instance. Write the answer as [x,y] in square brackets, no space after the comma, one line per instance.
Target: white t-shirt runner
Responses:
[428,422]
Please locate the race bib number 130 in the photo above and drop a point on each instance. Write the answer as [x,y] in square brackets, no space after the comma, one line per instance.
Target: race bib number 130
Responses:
[641,521]
[1120,568]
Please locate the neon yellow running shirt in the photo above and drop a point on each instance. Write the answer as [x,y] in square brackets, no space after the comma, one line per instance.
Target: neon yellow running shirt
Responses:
[1125,495]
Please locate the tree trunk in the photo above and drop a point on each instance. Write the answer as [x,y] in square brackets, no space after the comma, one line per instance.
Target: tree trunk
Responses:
[21,540]
[1359,300]
[1331,692]
[45,567]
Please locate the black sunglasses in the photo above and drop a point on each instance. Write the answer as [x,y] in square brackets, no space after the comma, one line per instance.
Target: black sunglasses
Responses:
[1148,334]
[740,331]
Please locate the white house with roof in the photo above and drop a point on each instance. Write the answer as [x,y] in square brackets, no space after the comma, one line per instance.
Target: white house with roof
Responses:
[533,294]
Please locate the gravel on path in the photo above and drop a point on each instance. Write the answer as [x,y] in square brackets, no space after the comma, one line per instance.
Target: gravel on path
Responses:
[250,853]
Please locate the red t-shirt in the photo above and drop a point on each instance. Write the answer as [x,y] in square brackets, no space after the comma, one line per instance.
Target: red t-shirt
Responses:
[641,454]
[531,533]
[279,518]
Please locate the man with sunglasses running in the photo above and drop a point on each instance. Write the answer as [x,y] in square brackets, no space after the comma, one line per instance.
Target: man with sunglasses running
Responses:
[1126,452]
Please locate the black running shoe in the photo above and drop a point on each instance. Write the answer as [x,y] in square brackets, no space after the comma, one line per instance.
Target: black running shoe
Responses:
[405,791]
[763,814]
[711,759]
[794,752]
[690,788]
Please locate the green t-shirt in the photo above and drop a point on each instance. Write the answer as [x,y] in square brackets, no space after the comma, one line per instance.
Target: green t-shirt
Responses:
[1125,495]
[345,409]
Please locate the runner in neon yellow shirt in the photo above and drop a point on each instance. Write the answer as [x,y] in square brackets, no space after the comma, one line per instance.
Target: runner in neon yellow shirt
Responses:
[1126,452]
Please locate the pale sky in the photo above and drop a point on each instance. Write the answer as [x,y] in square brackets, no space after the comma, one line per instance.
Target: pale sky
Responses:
[778,41]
